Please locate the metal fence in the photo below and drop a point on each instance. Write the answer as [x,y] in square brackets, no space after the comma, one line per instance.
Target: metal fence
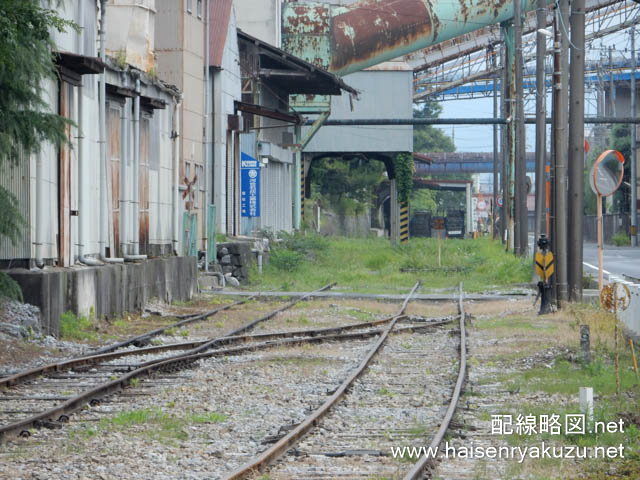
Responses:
[611,224]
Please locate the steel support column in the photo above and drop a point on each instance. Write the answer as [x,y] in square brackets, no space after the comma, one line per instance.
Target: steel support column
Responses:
[541,128]
[510,90]
[634,146]
[561,148]
[504,179]
[496,167]
[576,154]
[520,178]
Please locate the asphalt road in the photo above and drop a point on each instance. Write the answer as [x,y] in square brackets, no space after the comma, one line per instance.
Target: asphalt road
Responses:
[617,260]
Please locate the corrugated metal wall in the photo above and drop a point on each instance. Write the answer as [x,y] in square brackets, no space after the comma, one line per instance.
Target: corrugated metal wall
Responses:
[275,186]
[16,181]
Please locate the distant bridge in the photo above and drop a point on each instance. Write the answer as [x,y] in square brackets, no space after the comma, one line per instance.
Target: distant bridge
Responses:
[461,162]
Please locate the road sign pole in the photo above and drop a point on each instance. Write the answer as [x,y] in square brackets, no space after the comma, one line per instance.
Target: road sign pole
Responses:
[600,254]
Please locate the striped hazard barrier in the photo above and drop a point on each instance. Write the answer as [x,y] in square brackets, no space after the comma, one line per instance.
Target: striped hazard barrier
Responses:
[404,222]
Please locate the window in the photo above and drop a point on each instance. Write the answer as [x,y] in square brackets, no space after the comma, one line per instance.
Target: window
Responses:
[199,8]
[189,6]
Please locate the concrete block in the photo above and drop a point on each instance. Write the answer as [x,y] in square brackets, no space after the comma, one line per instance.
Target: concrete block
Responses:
[631,316]
[110,290]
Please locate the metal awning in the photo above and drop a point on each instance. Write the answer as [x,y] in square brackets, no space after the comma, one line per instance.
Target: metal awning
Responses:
[290,117]
[152,103]
[292,74]
[72,66]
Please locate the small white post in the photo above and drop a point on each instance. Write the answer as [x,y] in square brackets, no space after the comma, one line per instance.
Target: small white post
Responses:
[586,403]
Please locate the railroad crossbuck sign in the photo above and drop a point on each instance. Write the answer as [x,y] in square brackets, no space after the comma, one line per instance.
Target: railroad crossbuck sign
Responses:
[544,265]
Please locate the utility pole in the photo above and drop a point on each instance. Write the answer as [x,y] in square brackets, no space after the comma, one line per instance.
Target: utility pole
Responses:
[561,148]
[521,214]
[494,229]
[510,136]
[634,147]
[576,153]
[541,114]
[504,178]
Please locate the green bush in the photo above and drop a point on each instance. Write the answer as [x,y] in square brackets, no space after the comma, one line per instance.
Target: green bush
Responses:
[285,260]
[304,244]
[621,239]
[9,288]
[78,328]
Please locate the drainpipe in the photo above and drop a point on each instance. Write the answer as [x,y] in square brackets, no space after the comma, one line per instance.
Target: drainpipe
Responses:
[39,211]
[135,201]
[83,212]
[82,184]
[104,217]
[176,180]
[207,150]
[125,153]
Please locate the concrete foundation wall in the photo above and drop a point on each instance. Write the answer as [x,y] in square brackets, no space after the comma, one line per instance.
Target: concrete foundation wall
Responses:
[631,316]
[109,290]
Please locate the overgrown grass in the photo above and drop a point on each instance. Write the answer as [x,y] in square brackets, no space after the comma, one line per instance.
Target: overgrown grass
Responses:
[567,378]
[152,423]
[73,327]
[621,239]
[372,265]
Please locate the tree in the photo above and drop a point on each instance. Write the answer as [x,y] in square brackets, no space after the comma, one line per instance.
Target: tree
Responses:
[26,63]
[345,185]
[427,138]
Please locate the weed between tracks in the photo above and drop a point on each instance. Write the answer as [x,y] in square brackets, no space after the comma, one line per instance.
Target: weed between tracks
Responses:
[152,423]
[371,265]
[535,369]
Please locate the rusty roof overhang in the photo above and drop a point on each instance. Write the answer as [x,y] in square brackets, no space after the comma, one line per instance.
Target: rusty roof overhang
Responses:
[72,66]
[267,112]
[152,103]
[292,74]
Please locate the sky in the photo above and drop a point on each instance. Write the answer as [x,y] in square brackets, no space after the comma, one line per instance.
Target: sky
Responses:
[479,138]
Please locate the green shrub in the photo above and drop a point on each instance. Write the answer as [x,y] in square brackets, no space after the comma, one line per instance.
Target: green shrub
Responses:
[304,244]
[74,327]
[621,239]
[9,288]
[285,260]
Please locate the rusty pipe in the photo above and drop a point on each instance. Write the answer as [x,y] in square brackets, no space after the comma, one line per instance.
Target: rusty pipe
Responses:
[370,33]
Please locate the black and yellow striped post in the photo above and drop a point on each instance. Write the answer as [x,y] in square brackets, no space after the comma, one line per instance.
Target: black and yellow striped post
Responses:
[404,222]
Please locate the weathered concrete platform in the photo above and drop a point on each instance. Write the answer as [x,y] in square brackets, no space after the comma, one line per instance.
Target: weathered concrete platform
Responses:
[108,290]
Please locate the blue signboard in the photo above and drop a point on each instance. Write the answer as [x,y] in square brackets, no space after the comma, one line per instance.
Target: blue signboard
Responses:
[249,186]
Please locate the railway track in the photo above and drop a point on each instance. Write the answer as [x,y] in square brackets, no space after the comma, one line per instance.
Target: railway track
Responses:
[389,400]
[46,397]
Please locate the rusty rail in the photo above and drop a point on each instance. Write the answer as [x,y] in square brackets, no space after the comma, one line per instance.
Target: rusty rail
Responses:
[173,363]
[107,354]
[144,338]
[107,388]
[282,445]
[427,463]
